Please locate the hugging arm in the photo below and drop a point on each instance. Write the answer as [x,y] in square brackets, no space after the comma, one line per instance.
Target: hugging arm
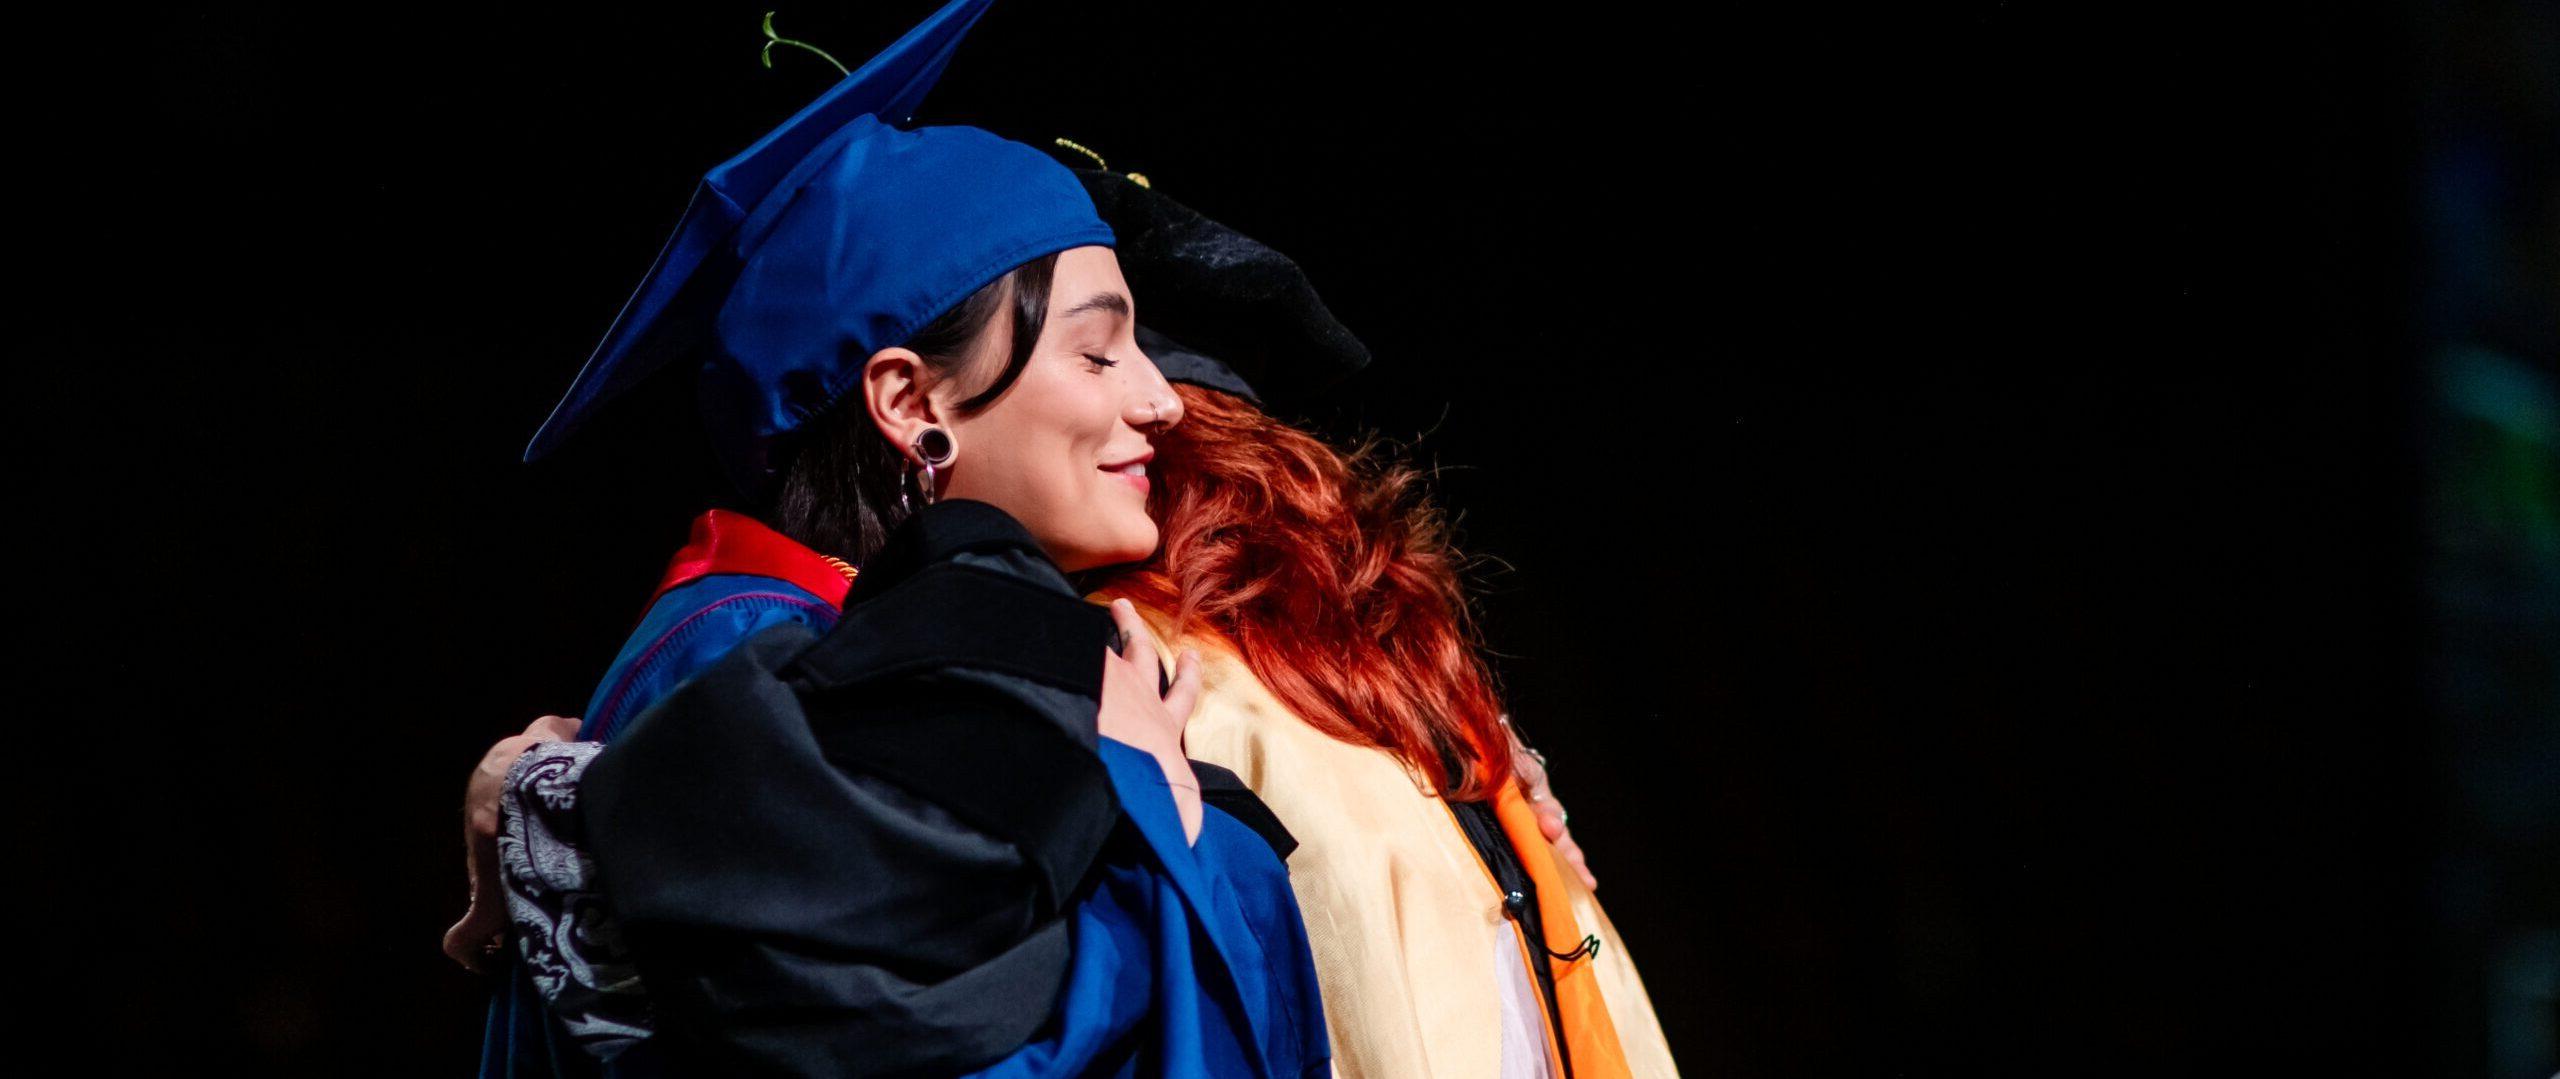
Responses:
[849,856]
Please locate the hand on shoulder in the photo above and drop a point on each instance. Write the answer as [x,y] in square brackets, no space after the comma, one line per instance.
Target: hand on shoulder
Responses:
[1135,713]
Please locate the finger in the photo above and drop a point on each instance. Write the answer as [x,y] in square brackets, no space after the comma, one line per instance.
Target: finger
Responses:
[458,947]
[1551,820]
[1533,785]
[479,946]
[477,942]
[457,940]
[480,864]
[552,729]
[1141,650]
[1572,852]
[483,925]
[1532,775]
[506,751]
[503,755]
[480,815]
[480,796]
[1185,694]
[479,936]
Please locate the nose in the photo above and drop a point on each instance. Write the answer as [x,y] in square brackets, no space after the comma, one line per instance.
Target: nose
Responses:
[1153,407]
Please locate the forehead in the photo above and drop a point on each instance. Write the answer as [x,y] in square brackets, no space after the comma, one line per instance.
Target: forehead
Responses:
[1083,273]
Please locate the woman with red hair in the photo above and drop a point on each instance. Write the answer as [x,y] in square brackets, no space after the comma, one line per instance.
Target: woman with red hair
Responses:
[1341,680]
[1450,917]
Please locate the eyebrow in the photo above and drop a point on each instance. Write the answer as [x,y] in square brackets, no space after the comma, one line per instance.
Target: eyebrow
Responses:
[1101,301]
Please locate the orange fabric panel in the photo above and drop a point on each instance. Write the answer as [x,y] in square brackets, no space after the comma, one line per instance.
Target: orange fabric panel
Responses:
[1591,1038]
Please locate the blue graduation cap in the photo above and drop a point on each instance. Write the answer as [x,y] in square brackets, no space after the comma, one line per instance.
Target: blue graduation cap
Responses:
[834,236]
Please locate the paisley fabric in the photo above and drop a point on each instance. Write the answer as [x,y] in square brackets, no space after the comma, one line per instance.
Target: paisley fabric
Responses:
[726,801]
[567,938]
[696,619]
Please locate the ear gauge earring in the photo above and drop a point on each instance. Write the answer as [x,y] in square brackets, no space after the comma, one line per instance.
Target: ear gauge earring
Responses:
[933,447]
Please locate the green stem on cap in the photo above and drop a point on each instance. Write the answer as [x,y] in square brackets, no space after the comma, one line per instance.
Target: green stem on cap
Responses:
[772,39]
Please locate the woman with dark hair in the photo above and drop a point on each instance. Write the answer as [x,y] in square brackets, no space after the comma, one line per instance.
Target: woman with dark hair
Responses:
[934,816]
[1455,932]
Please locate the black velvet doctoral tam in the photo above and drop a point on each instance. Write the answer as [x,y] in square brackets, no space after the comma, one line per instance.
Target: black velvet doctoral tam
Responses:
[1226,310]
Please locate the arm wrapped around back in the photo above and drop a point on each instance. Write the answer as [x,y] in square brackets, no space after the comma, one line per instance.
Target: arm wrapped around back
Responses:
[849,855]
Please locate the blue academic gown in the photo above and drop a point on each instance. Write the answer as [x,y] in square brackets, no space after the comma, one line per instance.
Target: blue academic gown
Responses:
[685,630]
[1189,958]
[1205,936]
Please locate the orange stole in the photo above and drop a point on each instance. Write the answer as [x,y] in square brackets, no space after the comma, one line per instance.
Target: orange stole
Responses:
[1591,1040]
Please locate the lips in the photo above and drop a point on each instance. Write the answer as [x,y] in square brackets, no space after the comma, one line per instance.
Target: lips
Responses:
[1133,471]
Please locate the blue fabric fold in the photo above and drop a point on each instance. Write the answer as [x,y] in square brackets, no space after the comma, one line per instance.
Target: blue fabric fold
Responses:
[1144,997]
[1190,957]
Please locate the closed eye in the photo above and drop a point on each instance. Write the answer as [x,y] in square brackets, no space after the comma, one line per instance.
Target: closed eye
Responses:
[1102,360]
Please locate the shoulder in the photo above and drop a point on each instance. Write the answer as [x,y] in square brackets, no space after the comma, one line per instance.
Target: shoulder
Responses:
[708,617]
[689,628]
[1227,684]
[727,592]
[1243,726]
[1339,802]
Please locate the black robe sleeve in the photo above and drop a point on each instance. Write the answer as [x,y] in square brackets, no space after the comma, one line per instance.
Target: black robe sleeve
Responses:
[1227,791]
[849,855]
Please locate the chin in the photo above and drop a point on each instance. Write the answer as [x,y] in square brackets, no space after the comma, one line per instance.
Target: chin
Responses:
[1132,546]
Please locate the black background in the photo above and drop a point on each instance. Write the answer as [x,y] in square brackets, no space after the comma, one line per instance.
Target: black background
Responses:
[1949,469]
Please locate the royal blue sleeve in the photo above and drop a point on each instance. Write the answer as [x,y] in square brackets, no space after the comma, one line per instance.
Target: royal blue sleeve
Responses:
[1189,957]
[1278,979]
[688,629]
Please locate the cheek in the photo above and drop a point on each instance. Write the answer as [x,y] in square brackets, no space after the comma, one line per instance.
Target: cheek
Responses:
[1040,456]
[1062,457]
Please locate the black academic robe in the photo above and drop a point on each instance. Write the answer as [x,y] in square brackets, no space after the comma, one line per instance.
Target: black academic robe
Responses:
[849,855]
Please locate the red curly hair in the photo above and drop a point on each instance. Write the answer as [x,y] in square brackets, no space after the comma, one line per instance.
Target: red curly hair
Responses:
[1334,577]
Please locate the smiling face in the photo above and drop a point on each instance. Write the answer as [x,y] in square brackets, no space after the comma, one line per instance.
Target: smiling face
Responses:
[1064,449]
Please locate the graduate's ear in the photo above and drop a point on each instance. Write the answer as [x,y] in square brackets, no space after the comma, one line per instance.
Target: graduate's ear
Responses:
[896,388]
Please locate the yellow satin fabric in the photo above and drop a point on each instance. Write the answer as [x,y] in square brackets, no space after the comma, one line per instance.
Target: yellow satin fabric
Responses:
[1401,913]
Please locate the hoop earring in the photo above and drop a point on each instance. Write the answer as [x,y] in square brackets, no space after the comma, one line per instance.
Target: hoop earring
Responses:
[934,451]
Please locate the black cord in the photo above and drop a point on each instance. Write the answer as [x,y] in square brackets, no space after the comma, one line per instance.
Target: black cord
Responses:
[1590,947]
